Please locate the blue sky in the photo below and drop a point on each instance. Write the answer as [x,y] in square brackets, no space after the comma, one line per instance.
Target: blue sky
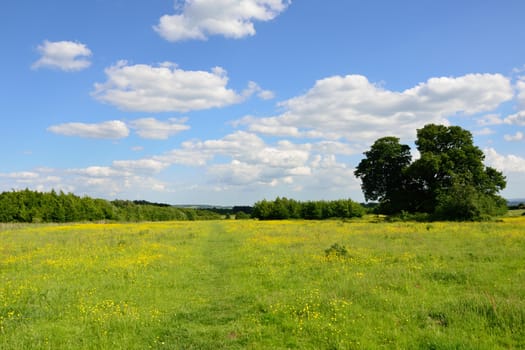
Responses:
[232,101]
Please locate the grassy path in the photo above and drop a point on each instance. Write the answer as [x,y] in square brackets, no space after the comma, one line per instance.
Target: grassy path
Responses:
[216,296]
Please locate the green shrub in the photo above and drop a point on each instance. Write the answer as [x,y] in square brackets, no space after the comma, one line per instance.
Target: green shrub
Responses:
[336,250]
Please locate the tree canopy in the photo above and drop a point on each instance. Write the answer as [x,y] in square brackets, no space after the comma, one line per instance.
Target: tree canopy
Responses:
[34,206]
[382,172]
[449,180]
[284,208]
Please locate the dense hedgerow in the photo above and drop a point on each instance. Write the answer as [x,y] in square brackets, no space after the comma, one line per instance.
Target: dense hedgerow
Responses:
[284,208]
[34,206]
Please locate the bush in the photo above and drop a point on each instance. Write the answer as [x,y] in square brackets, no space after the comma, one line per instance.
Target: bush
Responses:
[465,203]
[242,216]
[336,250]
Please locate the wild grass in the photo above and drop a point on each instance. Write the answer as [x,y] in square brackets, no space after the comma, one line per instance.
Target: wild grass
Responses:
[263,285]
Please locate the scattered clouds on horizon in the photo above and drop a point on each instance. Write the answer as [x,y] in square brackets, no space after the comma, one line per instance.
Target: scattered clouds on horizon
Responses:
[335,119]
[253,164]
[67,56]
[197,20]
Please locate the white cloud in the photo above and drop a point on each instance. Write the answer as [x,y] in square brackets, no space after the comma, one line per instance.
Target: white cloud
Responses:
[38,179]
[334,147]
[140,165]
[236,173]
[252,161]
[198,19]
[165,88]
[97,171]
[64,55]
[516,119]
[22,175]
[353,108]
[148,128]
[490,119]
[121,180]
[254,88]
[518,136]
[113,129]
[505,163]
[243,146]
[186,156]
[520,86]
[484,132]
[151,128]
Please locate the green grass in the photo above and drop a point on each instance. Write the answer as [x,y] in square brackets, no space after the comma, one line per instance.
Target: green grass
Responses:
[263,285]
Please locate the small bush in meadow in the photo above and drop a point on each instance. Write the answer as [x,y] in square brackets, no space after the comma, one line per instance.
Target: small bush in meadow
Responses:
[336,250]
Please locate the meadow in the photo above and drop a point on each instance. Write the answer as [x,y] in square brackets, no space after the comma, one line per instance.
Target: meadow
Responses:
[363,284]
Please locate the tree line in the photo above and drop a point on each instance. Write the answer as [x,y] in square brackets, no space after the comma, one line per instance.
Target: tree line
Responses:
[284,208]
[447,182]
[32,206]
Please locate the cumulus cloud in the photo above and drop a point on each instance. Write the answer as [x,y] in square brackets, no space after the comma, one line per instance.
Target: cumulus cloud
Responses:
[140,165]
[484,132]
[516,119]
[518,136]
[254,163]
[240,160]
[21,175]
[147,128]
[243,146]
[64,55]
[198,153]
[351,107]
[96,171]
[237,173]
[254,88]
[198,19]
[505,163]
[490,119]
[165,88]
[113,129]
[39,179]
[151,128]
[129,178]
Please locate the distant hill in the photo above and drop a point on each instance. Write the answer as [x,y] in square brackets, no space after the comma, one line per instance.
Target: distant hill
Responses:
[515,201]
[202,206]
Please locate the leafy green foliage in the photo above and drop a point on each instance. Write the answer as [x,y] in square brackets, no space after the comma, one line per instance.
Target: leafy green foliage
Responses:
[336,250]
[284,208]
[36,207]
[449,180]
[382,172]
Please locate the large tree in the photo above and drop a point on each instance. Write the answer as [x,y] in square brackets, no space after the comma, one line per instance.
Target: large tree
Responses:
[382,173]
[450,177]
[449,180]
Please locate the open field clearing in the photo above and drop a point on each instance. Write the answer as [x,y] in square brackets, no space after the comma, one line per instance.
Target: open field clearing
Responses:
[263,285]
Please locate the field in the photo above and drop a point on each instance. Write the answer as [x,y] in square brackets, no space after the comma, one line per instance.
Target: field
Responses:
[263,285]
